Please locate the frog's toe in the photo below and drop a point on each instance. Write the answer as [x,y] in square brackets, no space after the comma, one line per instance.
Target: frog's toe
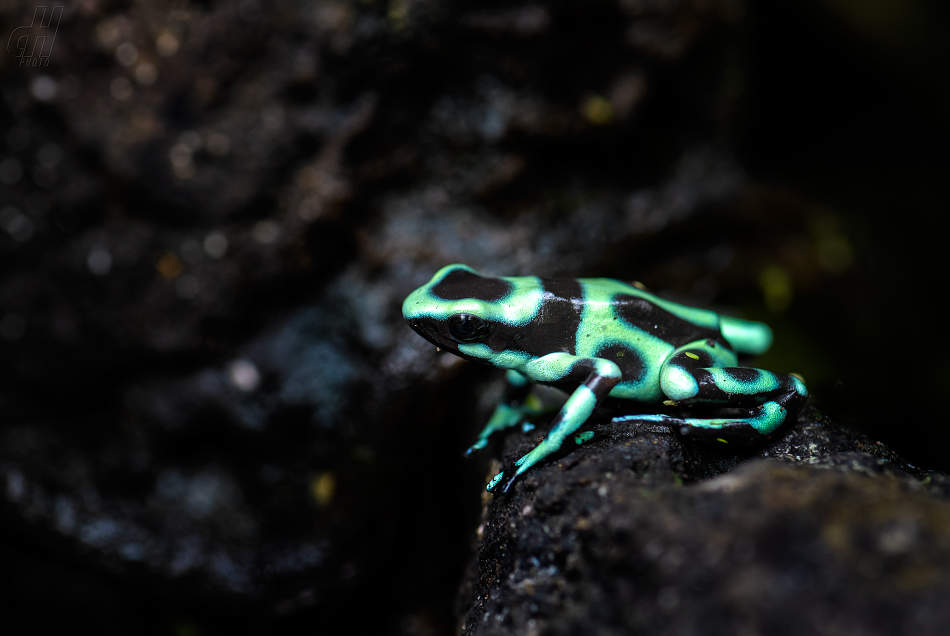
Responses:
[477,446]
[500,484]
[493,484]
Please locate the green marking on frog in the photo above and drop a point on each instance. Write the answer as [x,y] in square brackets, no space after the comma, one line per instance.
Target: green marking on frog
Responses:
[679,384]
[769,416]
[586,436]
[517,307]
[514,378]
[599,338]
[495,481]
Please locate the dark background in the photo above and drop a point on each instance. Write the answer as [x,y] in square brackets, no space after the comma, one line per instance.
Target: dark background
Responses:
[147,492]
[846,107]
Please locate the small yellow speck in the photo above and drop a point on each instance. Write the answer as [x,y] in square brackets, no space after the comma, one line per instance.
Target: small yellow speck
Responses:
[597,110]
[669,403]
[691,355]
[185,628]
[719,439]
[397,12]
[322,487]
[638,285]
[798,375]
[776,287]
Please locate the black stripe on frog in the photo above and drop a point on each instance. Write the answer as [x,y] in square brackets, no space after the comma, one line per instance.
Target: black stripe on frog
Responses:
[555,325]
[643,314]
[632,368]
[461,284]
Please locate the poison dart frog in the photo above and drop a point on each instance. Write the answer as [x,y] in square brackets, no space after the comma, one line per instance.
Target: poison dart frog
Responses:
[599,338]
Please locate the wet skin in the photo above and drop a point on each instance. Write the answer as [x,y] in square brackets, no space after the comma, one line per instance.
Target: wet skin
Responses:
[597,338]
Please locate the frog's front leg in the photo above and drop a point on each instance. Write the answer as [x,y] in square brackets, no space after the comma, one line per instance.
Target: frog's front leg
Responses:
[705,372]
[515,406]
[596,378]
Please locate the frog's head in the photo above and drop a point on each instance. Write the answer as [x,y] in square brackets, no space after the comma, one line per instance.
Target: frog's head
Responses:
[468,313]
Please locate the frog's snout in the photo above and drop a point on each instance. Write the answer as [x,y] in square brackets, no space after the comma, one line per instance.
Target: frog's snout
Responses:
[420,326]
[426,329]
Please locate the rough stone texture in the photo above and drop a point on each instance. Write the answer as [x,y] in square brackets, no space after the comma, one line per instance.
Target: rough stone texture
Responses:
[820,531]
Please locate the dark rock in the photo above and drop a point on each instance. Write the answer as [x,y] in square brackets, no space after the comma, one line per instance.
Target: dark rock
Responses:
[819,531]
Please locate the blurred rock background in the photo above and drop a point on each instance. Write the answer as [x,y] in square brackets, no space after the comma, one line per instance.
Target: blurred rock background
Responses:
[212,417]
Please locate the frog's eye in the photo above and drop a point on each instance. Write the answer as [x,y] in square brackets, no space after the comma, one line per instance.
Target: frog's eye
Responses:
[467,328]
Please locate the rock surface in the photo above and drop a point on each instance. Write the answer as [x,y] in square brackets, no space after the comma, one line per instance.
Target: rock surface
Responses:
[820,531]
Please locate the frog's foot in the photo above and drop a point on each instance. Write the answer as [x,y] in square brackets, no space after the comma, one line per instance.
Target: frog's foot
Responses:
[499,484]
[496,480]
[503,481]
[477,446]
[766,417]
[763,419]
[505,417]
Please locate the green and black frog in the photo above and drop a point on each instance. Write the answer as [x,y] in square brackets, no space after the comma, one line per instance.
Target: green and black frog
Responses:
[599,338]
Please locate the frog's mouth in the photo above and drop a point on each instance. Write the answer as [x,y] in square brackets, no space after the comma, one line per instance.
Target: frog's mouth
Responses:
[432,332]
[429,331]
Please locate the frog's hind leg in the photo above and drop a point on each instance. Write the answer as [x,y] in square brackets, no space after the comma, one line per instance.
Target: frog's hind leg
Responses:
[704,373]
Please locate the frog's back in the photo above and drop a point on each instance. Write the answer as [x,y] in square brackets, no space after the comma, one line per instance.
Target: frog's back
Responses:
[527,317]
[665,320]
[672,322]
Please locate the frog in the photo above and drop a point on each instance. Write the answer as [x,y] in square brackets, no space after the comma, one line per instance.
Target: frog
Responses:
[601,339]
